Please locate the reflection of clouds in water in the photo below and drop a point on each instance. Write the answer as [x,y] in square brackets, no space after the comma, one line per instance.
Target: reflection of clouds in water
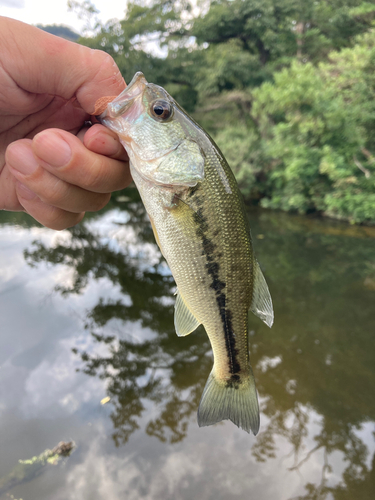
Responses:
[117,235]
[317,465]
[366,433]
[134,332]
[13,240]
[304,463]
[155,470]
[38,377]
[32,317]
[165,300]
[16,273]
[265,363]
[54,387]
[222,453]
[100,288]
[99,475]
[291,386]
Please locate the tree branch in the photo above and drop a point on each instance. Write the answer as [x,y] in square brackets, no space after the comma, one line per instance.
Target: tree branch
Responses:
[362,168]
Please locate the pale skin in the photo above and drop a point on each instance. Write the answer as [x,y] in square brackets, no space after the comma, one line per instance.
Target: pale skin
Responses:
[52,166]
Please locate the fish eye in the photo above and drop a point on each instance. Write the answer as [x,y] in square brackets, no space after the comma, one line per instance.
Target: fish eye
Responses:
[161,110]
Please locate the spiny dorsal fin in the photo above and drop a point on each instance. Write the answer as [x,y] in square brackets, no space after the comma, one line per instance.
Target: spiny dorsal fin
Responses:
[261,304]
[184,320]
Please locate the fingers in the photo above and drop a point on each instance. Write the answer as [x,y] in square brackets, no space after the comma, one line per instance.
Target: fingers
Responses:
[57,67]
[64,155]
[59,177]
[51,189]
[103,141]
[46,214]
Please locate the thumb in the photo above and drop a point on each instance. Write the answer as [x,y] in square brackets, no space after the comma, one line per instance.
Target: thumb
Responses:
[41,63]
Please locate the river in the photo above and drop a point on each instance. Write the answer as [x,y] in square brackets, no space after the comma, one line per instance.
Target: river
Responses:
[88,353]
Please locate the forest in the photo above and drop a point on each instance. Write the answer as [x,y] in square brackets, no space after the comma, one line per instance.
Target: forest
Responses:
[285,87]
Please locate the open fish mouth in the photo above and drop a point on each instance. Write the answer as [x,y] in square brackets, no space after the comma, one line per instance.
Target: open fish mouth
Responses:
[126,99]
[125,110]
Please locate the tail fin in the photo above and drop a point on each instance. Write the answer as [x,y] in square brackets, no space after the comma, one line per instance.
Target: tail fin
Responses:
[237,402]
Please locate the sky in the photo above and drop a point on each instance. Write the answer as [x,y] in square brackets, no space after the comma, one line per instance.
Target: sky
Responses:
[56,11]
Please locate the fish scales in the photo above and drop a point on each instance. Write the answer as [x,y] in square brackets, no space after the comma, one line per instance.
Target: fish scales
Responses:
[214,281]
[200,224]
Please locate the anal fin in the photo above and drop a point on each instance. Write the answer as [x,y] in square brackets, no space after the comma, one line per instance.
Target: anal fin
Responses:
[184,320]
[261,304]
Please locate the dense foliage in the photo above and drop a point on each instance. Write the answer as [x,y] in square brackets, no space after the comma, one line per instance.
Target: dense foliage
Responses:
[285,87]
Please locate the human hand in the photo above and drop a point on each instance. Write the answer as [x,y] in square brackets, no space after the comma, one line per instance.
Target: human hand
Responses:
[50,165]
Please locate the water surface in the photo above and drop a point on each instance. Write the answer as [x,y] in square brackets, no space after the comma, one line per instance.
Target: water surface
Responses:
[87,314]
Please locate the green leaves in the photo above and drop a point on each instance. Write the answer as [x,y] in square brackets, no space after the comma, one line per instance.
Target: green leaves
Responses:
[318,122]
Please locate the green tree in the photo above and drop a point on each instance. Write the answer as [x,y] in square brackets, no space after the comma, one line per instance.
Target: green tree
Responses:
[151,38]
[317,128]
[249,39]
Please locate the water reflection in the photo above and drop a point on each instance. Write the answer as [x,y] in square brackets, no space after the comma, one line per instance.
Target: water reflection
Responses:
[151,370]
[315,369]
[161,370]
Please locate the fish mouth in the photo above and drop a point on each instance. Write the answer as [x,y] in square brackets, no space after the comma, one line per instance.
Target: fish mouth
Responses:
[126,99]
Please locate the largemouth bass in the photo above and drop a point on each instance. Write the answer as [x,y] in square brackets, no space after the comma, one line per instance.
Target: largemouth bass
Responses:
[198,218]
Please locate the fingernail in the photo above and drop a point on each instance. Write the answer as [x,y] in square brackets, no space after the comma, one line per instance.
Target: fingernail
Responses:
[52,148]
[21,158]
[24,192]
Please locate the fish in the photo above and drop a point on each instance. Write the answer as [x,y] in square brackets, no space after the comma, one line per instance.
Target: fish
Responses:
[200,225]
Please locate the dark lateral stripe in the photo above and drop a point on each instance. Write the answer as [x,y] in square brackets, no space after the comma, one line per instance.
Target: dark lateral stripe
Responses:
[208,249]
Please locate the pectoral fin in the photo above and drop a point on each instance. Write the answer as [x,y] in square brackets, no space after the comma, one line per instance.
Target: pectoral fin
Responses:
[184,320]
[261,304]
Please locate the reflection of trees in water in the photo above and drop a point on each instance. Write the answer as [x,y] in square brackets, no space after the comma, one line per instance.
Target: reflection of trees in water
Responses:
[358,481]
[154,370]
[165,370]
[316,363]
[325,350]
